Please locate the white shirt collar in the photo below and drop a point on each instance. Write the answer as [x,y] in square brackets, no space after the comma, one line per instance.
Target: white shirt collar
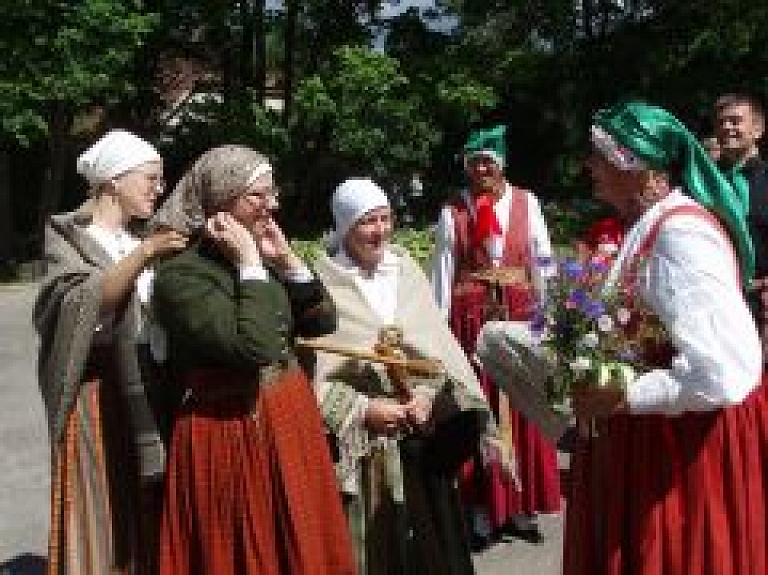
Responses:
[640,229]
[117,243]
[389,261]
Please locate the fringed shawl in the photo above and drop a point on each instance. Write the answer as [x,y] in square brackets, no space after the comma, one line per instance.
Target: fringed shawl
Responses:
[66,315]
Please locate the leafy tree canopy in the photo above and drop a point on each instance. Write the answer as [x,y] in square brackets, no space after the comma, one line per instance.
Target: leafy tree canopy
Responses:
[63,57]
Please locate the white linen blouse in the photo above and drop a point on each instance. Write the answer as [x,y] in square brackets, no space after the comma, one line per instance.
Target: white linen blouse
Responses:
[443,262]
[691,280]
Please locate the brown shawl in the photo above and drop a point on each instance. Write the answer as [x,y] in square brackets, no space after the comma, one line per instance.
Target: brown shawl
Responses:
[66,315]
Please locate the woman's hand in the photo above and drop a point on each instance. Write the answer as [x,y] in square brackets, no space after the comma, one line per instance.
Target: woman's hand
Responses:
[274,247]
[234,239]
[592,402]
[162,242]
[385,416]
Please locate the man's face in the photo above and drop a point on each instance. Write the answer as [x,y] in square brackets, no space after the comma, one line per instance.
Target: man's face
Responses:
[738,128]
[484,173]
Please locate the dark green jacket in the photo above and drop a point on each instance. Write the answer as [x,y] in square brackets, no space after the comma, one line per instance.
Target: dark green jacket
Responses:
[213,319]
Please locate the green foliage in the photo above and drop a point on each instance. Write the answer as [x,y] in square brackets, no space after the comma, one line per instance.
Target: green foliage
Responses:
[308,250]
[419,242]
[65,55]
[567,220]
[362,112]
[213,120]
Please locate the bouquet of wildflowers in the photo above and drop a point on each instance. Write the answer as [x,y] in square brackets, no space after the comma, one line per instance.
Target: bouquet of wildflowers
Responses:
[594,336]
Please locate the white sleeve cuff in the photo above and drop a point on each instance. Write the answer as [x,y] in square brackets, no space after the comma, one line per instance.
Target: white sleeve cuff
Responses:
[253,272]
[298,275]
[653,392]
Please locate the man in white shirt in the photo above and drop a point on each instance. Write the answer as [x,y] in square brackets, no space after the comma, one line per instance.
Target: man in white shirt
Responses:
[493,224]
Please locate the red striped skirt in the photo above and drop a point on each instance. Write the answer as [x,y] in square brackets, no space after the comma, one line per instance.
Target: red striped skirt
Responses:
[536,455]
[655,495]
[251,488]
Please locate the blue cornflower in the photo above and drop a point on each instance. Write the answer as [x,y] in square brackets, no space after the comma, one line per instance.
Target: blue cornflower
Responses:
[593,309]
[538,323]
[544,261]
[578,297]
[628,355]
[598,266]
[572,269]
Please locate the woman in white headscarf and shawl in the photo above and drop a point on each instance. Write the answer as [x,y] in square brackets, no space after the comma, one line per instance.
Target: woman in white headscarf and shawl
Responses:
[397,456]
[106,452]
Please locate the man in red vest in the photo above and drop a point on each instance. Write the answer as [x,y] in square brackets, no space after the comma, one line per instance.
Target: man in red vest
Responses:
[493,224]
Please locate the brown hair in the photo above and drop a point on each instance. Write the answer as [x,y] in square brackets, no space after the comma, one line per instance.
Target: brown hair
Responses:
[740,99]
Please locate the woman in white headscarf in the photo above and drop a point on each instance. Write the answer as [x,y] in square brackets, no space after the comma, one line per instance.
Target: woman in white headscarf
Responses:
[107,456]
[398,452]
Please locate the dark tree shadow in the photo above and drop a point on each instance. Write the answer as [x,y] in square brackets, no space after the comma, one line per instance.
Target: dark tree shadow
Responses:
[25,564]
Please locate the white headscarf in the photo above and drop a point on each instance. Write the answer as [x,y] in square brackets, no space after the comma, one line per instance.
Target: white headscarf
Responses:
[353,199]
[114,154]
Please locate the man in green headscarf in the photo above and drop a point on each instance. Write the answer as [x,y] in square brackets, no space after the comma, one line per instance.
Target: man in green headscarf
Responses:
[493,224]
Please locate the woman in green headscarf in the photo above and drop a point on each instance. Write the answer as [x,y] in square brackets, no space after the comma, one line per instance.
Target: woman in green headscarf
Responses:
[675,482]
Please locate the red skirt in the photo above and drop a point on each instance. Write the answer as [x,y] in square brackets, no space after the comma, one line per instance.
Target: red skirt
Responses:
[655,495]
[251,488]
[537,456]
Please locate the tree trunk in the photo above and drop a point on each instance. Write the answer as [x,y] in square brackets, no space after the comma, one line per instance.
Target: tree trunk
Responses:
[253,59]
[58,149]
[247,76]
[588,16]
[289,71]
[7,252]
[259,50]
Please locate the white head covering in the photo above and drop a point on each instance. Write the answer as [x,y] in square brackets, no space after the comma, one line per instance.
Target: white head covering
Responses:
[115,153]
[353,199]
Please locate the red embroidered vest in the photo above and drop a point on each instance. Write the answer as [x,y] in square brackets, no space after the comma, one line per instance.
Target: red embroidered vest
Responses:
[470,293]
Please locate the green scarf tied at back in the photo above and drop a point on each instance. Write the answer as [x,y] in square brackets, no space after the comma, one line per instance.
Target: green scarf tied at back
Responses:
[661,141]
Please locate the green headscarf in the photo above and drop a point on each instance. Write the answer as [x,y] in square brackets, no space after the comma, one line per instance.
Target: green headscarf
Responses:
[488,142]
[661,140]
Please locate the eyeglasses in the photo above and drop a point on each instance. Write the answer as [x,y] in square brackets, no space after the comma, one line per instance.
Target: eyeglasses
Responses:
[154,179]
[254,194]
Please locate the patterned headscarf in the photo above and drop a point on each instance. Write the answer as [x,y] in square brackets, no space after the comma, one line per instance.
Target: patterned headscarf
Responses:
[659,141]
[218,175]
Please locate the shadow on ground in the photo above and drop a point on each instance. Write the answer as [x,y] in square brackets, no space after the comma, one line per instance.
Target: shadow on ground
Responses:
[26,564]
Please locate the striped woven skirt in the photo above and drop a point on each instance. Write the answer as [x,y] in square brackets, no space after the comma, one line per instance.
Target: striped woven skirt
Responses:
[94,495]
